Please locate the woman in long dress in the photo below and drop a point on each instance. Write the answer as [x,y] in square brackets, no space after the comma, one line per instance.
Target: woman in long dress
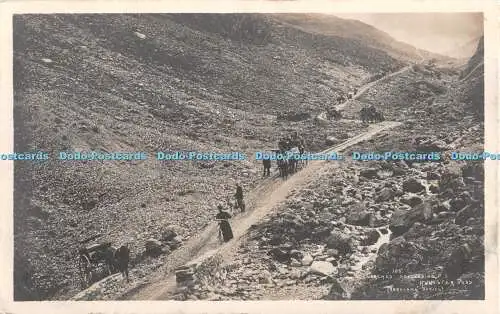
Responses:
[225,227]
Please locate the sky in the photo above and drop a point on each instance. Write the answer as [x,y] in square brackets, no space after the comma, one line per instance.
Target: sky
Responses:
[435,32]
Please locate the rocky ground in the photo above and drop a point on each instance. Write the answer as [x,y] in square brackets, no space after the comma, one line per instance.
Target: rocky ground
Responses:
[154,83]
[377,230]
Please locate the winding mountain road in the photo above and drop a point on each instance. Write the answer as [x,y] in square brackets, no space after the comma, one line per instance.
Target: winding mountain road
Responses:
[260,202]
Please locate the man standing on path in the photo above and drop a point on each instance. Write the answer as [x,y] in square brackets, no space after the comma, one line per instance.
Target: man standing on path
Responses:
[239,197]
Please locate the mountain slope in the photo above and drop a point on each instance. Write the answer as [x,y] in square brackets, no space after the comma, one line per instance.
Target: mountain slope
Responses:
[472,92]
[354,29]
[155,82]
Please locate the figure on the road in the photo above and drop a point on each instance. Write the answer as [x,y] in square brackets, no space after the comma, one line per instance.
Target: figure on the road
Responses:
[267,167]
[225,230]
[122,258]
[240,203]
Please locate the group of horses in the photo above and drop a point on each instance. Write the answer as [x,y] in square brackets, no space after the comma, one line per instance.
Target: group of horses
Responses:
[370,114]
[286,163]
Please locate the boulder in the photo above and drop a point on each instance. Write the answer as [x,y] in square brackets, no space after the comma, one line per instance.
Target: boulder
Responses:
[369,173]
[473,170]
[322,268]
[371,237]
[280,255]
[298,255]
[342,243]
[412,185]
[153,247]
[385,195]
[451,181]
[307,260]
[457,261]
[457,204]
[140,35]
[465,213]
[411,200]
[359,216]
[433,189]
[431,175]
[336,292]
[398,255]
[175,243]
[168,234]
[403,220]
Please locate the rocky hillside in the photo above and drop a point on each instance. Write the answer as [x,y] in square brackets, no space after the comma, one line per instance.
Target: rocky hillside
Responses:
[334,26]
[147,82]
[376,230]
[473,81]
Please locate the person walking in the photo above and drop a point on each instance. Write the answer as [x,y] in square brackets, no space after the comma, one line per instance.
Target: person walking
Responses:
[224,227]
[240,203]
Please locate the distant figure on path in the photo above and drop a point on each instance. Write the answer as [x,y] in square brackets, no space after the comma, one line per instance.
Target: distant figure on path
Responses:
[239,198]
[122,258]
[267,167]
[224,226]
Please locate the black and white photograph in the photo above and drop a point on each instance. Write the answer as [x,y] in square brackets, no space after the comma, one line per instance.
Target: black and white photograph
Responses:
[249,156]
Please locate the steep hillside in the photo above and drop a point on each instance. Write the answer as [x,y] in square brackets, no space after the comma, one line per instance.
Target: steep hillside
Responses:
[473,81]
[151,83]
[354,29]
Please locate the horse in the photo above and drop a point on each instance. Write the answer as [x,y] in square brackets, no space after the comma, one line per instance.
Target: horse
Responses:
[363,114]
[334,114]
[283,168]
[378,116]
[292,162]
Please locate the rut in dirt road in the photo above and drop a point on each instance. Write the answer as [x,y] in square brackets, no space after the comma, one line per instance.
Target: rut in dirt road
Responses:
[163,289]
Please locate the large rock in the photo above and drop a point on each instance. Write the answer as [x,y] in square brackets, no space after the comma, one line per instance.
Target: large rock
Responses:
[412,185]
[336,292]
[175,243]
[359,216]
[433,175]
[403,220]
[322,268]
[168,234]
[398,255]
[464,214]
[340,242]
[307,260]
[153,247]
[457,261]
[473,170]
[385,195]
[411,200]
[280,255]
[451,181]
[371,237]
[457,204]
[369,173]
